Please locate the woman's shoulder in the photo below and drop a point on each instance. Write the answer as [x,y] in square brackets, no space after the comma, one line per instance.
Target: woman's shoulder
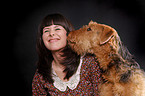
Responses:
[90,59]
[91,66]
[37,76]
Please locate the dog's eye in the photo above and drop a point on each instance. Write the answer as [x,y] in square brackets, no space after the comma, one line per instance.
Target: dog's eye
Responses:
[89,29]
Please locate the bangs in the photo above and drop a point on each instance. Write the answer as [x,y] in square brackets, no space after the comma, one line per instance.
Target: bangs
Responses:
[56,20]
[60,22]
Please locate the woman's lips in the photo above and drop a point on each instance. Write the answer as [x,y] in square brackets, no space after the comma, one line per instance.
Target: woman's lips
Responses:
[53,40]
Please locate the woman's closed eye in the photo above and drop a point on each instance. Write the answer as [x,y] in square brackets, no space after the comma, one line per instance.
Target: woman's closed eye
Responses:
[57,29]
[46,31]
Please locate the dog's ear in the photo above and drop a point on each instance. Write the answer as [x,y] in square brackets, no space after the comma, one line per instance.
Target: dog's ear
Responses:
[106,34]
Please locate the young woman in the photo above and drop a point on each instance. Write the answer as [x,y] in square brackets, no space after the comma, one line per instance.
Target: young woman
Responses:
[60,71]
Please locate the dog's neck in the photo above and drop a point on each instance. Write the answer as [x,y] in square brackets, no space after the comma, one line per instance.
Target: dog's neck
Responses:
[103,54]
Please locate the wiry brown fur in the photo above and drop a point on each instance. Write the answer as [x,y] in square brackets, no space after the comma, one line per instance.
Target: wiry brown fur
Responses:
[121,73]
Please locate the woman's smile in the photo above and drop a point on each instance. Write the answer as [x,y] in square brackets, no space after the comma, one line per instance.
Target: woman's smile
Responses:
[53,40]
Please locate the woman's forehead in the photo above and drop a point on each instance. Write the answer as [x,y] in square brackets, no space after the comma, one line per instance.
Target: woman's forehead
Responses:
[52,26]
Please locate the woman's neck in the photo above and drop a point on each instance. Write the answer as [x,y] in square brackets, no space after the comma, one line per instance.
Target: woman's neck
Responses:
[57,59]
[57,66]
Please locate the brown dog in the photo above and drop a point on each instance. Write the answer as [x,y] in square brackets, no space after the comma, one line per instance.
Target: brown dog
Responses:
[120,72]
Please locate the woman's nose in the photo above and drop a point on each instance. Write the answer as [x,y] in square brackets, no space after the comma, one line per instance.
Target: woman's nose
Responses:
[51,33]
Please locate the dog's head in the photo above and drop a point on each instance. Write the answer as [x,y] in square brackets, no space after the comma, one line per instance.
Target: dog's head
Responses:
[92,35]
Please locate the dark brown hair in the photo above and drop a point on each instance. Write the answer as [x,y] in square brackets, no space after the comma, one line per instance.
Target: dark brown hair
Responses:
[45,57]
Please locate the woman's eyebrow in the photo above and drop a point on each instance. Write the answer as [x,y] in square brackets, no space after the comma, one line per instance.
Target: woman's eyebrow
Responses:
[46,28]
[56,26]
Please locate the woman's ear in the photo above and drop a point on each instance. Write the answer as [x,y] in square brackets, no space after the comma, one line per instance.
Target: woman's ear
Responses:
[106,34]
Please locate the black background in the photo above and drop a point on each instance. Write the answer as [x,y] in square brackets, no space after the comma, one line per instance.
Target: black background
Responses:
[126,16]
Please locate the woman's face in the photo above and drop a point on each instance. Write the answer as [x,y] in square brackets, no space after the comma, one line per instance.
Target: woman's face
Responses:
[54,37]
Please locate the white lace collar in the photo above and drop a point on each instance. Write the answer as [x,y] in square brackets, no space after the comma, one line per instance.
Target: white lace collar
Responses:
[72,83]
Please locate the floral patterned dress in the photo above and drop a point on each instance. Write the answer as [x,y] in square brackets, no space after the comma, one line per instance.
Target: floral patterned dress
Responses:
[83,83]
